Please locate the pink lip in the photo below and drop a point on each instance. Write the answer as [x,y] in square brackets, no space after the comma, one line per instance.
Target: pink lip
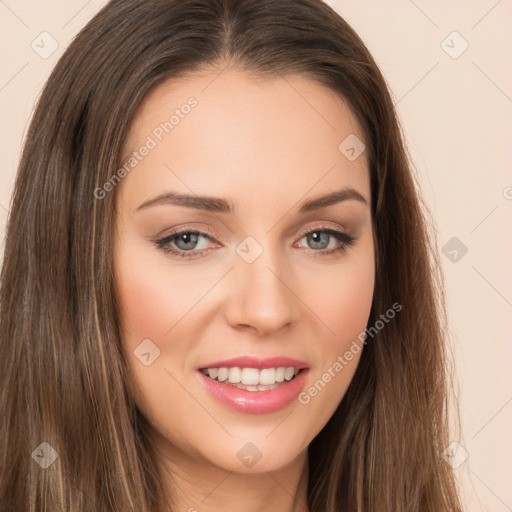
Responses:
[254,362]
[255,402]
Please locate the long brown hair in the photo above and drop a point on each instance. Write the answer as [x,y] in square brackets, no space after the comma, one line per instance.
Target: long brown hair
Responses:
[63,373]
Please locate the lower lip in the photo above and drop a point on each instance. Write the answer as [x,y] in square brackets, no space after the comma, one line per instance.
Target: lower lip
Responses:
[256,402]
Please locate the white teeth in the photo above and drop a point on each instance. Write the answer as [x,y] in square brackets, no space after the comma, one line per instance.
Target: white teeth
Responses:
[250,376]
[247,378]
[223,374]
[267,376]
[235,375]
[289,373]
[259,387]
[266,388]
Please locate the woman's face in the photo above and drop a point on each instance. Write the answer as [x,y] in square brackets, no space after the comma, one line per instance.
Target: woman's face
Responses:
[265,282]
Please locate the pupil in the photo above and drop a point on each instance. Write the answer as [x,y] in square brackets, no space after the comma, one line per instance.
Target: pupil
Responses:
[316,238]
[186,240]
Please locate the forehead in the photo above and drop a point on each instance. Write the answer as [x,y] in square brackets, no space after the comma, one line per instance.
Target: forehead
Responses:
[229,133]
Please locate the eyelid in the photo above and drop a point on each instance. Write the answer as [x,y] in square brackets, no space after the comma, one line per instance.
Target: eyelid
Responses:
[186,229]
[322,225]
[206,230]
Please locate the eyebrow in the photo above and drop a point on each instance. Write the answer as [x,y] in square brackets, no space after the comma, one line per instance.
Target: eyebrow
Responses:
[219,205]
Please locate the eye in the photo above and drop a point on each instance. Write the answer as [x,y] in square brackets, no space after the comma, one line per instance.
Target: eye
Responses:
[319,238]
[189,243]
[184,243]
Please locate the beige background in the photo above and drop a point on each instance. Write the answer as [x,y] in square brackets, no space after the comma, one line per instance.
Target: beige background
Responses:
[456,114]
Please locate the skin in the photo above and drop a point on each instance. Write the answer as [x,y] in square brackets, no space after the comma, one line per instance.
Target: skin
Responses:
[267,146]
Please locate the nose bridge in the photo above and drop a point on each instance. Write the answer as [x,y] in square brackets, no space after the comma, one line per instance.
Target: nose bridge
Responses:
[261,295]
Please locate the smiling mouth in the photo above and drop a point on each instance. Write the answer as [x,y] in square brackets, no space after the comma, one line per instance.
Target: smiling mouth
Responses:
[253,379]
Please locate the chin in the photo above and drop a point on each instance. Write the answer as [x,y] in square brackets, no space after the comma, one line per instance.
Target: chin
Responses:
[256,455]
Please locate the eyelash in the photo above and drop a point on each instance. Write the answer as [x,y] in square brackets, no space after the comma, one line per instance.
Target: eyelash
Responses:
[163,243]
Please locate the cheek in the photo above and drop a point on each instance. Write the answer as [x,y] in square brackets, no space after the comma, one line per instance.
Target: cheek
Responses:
[152,299]
[153,305]
[342,301]
[146,306]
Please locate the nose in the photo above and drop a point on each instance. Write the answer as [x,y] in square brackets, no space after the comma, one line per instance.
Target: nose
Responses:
[262,295]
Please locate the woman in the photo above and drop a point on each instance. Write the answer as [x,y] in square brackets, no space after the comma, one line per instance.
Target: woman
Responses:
[218,288]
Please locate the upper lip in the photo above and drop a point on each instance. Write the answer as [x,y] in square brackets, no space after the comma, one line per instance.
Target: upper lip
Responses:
[255,362]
